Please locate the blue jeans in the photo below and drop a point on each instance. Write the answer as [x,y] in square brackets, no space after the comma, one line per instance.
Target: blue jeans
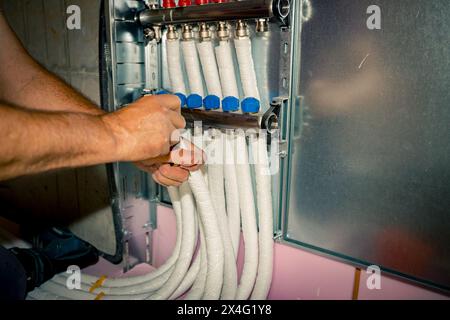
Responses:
[13,279]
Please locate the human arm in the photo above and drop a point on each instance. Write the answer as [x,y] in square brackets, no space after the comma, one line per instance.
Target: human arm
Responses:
[38,141]
[25,83]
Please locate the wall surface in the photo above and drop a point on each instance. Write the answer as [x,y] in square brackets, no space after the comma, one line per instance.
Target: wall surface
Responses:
[70,195]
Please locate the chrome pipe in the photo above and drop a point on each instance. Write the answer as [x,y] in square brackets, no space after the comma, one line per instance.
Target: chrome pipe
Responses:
[221,120]
[233,10]
[225,120]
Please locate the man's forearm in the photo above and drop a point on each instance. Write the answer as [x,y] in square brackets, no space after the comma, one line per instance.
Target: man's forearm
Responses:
[24,83]
[35,141]
[44,91]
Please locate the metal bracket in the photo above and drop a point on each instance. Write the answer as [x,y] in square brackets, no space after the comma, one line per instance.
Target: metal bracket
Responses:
[283,149]
[270,121]
[153,33]
[278,236]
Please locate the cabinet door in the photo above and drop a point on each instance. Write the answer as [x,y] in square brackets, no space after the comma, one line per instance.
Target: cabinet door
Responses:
[370,142]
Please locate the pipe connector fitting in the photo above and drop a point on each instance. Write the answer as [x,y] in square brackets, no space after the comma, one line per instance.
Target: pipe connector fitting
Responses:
[152,4]
[223,32]
[186,32]
[204,33]
[172,33]
[241,29]
[262,25]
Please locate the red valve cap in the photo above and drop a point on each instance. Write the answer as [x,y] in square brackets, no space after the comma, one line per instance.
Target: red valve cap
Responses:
[184,3]
[169,4]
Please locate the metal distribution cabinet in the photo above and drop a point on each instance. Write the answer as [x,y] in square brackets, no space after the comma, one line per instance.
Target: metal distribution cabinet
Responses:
[363,116]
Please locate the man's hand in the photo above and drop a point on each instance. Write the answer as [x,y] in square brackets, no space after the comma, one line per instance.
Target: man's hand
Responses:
[147,128]
[173,169]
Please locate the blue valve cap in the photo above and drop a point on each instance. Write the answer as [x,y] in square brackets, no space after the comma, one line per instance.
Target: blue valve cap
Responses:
[194,101]
[250,105]
[182,98]
[211,102]
[230,104]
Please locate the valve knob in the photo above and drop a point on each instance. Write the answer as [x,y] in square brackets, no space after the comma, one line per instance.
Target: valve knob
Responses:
[194,101]
[230,104]
[169,4]
[250,105]
[184,3]
[211,102]
[201,2]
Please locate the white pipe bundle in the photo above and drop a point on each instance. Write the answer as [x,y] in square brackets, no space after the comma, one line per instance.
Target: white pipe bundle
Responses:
[187,246]
[226,69]
[194,268]
[149,282]
[232,191]
[264,200]
[213,239]
[174,66]
[248,216]
[246,67]
[193,272]
[164,269]
[209,67]
[193,70]
[212,274]
[38,294]
[217,190]
[138,287]
[198,287]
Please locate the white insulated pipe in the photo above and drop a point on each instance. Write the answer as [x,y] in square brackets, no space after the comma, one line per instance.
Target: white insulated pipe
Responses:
[248,216]
[127,287]
[166,281]
[59,289]
[232,191]
[263,69]
[39,294]
[192,65]
[198,287]
[226,69]
[217,191]
[194,269]
[189,279]
[125,292]
[136,292]
[214,245]
[187,246]
[265,211]
[209,67]
[243,47]
[174,66]
[127,283]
